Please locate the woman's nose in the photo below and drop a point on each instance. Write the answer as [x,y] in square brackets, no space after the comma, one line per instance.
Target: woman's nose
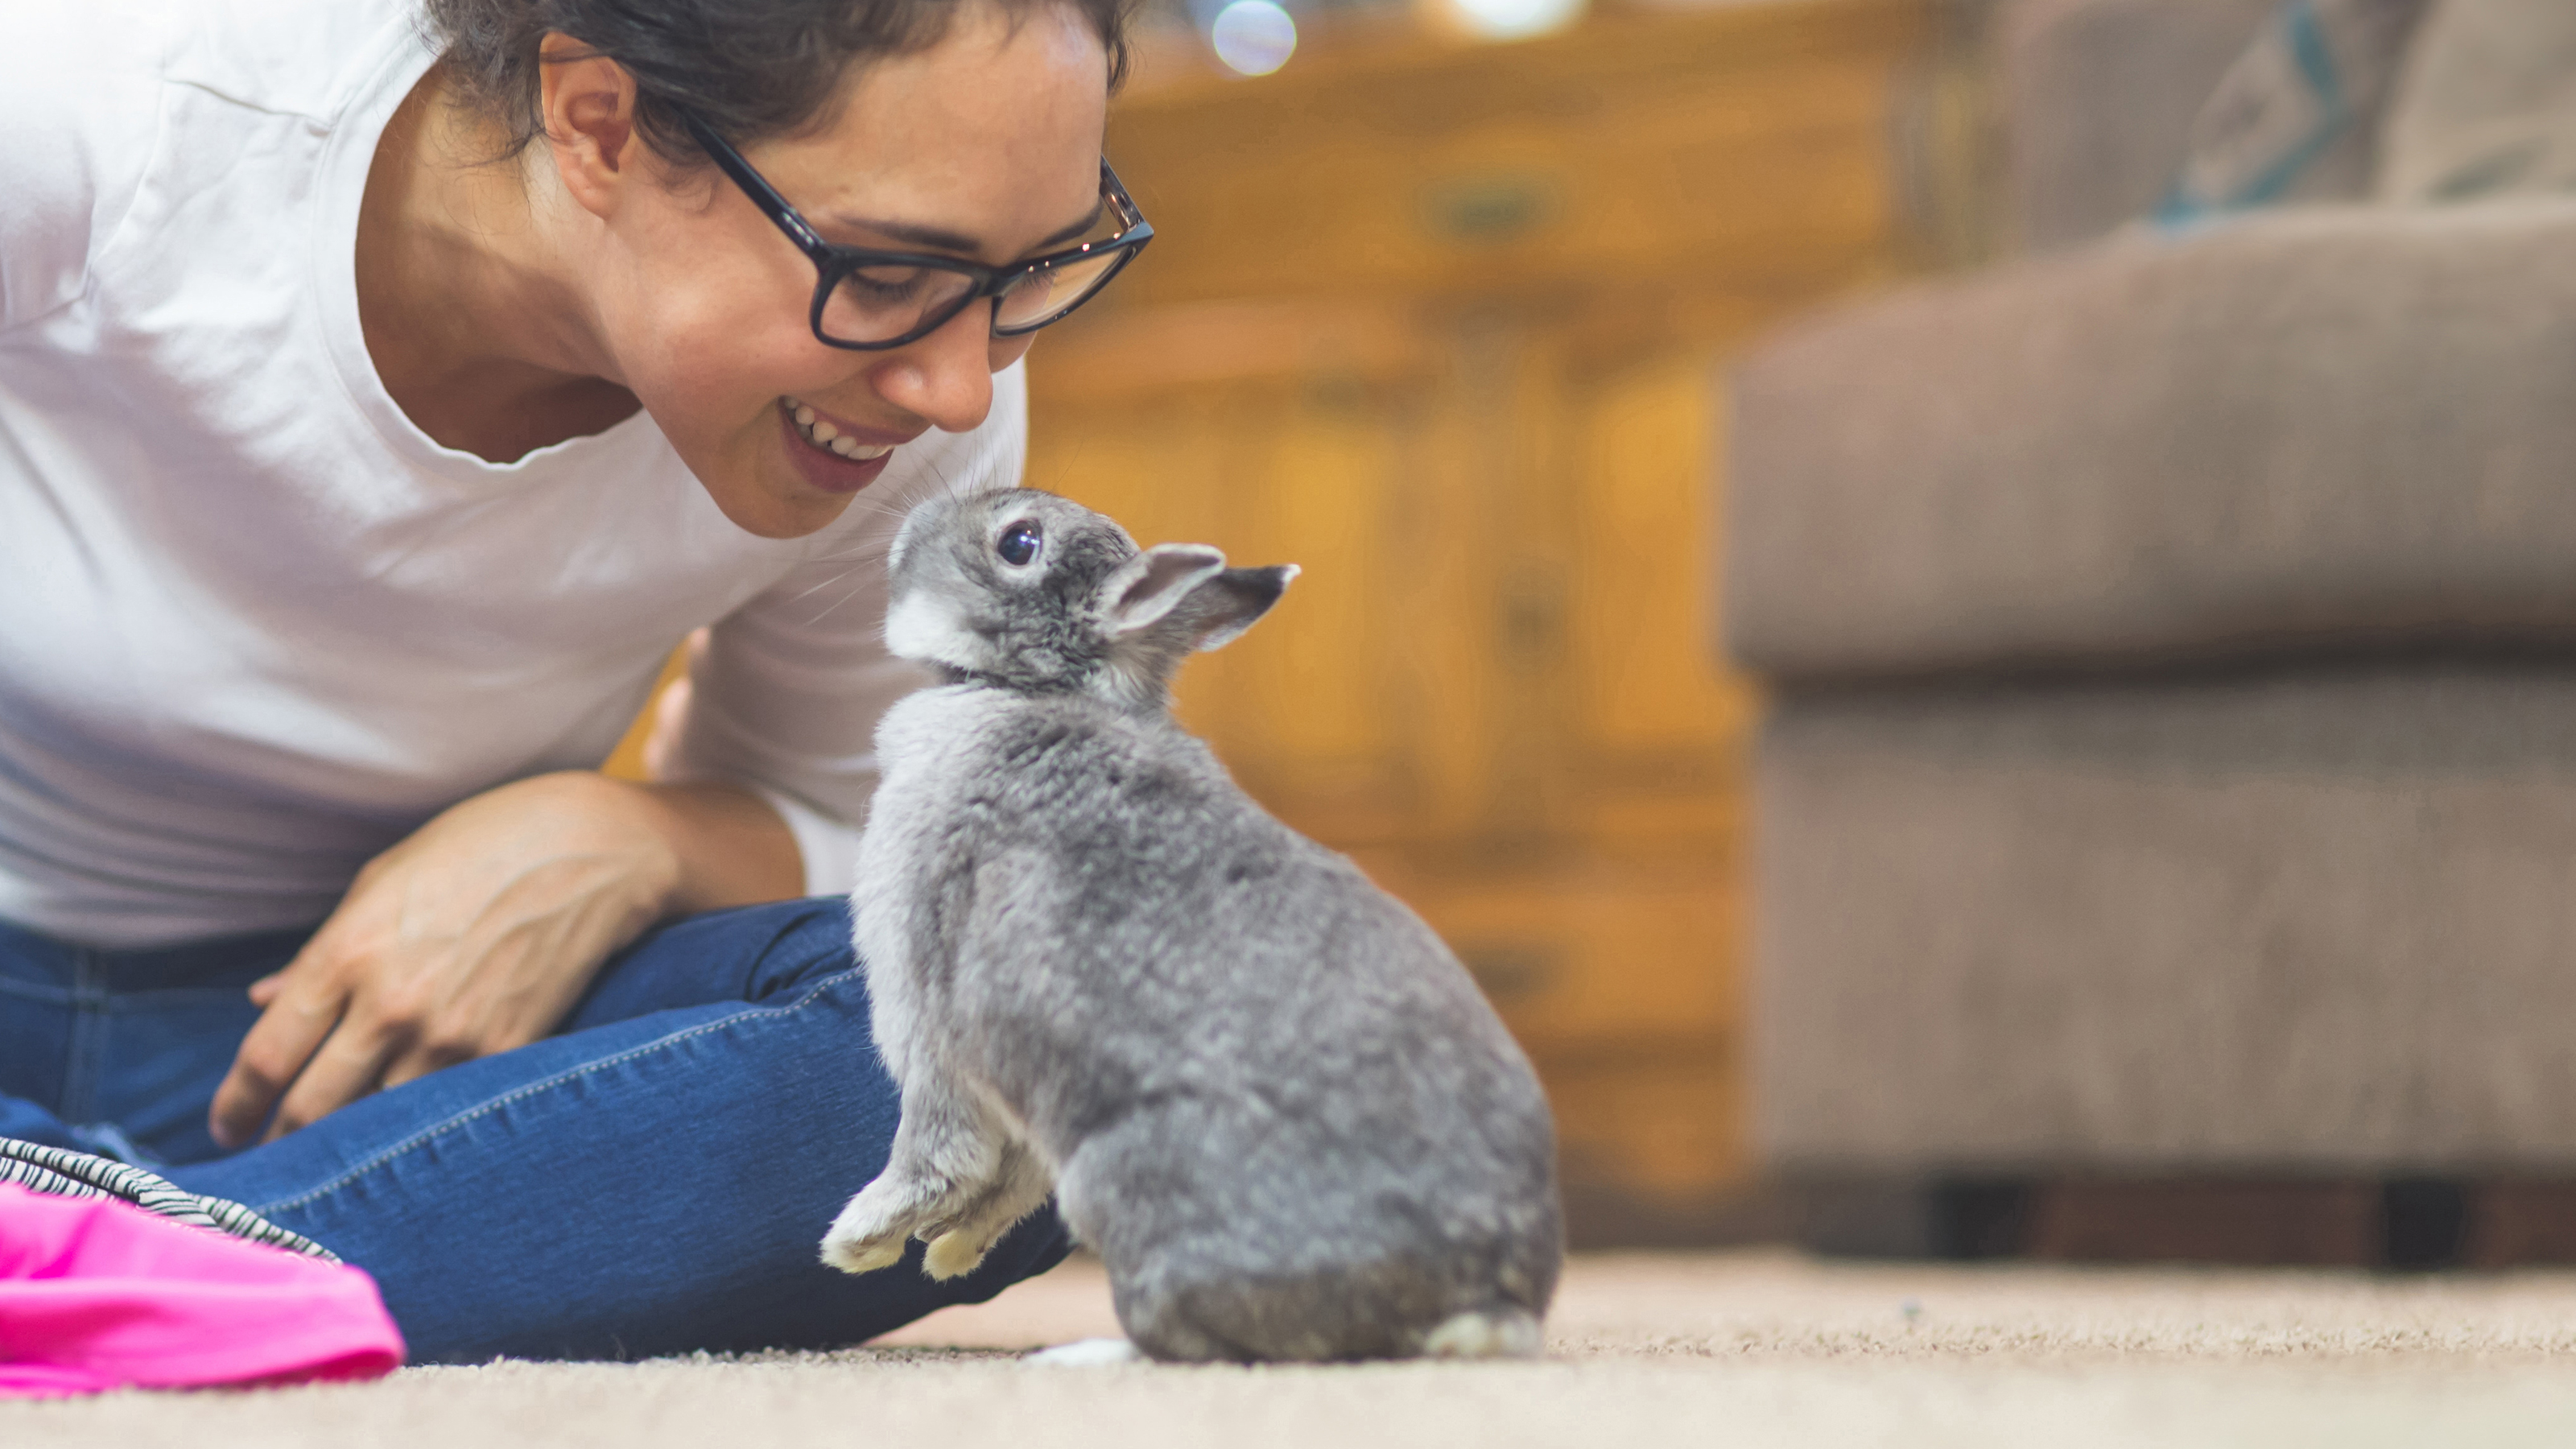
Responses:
[946,377]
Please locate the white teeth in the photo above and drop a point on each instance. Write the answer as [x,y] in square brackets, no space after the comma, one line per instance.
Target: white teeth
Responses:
[829,438]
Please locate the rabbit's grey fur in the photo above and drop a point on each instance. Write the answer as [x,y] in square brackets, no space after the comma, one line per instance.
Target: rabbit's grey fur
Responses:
[1261,1089]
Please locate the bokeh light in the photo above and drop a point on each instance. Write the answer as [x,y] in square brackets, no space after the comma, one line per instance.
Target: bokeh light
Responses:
[1513,19]
[1253,37]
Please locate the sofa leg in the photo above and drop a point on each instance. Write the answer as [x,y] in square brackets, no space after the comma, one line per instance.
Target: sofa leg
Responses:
[2424,1224]
[1955,1219]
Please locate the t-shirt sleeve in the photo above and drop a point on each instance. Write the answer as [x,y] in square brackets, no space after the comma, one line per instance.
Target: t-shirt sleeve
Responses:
[79,107]
[785,692]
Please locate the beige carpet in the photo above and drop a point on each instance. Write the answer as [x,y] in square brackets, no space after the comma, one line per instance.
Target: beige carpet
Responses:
[1719,1349]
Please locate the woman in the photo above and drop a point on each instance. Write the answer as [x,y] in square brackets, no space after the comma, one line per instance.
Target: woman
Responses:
[382,390]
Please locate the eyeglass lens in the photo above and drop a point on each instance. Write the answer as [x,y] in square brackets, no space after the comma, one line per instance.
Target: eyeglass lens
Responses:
[881,303]
[1049,292]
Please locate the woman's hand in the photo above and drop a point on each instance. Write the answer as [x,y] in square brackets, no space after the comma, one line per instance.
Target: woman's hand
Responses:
[480,931]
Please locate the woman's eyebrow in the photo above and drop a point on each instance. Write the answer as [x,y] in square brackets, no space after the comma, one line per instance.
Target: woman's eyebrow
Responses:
[940,240]
[1075,231]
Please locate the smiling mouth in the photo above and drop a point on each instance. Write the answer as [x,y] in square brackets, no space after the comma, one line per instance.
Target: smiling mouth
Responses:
[822,434]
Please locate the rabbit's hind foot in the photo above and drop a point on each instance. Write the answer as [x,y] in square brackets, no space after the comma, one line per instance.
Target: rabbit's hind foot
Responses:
[1503,1333]
[1087,1353]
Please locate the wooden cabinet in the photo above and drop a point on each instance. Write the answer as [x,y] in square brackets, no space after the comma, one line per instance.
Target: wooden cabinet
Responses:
[1442,324]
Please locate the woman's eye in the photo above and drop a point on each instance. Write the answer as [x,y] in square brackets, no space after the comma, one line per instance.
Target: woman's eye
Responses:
[886,285]
[1019,544]
[1031,287]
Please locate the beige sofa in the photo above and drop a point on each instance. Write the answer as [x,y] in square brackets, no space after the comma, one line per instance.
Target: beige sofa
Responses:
[2173,771]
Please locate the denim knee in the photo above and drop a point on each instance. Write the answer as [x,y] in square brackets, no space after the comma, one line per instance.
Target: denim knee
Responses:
[747,954]
[807,940]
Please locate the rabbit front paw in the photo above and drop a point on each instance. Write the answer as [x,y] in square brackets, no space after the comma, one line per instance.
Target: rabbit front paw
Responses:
[1017,1188]
[853,1254]
[871,1232]
[955,1253]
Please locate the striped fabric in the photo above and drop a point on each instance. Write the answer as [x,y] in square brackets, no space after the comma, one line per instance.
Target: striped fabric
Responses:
[78,1174]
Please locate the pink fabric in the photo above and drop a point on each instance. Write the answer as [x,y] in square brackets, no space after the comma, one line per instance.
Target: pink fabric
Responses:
[98,1294]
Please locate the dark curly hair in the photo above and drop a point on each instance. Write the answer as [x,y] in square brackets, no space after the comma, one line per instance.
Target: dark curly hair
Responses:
[751,68]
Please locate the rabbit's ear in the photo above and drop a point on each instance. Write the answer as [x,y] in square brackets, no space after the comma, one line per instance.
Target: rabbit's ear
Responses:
[1221,607]
[1145,588]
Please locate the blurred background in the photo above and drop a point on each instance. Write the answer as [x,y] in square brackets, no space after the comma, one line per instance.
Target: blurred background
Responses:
[1435,309]
[1962,608]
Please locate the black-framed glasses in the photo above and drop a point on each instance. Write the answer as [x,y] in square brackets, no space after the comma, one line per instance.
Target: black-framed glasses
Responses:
[868,300]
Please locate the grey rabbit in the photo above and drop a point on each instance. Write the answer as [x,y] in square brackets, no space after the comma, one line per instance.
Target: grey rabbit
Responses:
[1261,1089]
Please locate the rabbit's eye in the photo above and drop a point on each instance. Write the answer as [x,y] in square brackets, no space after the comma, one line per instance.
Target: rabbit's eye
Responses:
[1019,544]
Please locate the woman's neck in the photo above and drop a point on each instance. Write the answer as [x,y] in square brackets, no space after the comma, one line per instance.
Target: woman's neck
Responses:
[475,324]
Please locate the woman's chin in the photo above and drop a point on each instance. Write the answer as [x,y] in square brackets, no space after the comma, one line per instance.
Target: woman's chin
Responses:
[777,484]
[777,504]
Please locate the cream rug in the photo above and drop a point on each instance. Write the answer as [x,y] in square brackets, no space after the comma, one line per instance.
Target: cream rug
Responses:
[1719,1349]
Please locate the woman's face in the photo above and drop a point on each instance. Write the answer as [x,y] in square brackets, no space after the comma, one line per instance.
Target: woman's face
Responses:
[985,146]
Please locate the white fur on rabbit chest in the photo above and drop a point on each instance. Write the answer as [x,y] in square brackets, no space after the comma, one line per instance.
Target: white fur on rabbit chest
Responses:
[924,747]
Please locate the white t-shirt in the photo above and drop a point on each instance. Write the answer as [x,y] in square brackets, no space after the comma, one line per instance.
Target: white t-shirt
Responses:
[254,625]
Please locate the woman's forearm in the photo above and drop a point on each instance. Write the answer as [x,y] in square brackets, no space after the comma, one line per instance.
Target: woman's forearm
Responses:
[478,932]
[727,847]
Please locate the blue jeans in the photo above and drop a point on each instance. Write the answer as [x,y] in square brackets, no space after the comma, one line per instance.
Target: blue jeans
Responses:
[653,1179]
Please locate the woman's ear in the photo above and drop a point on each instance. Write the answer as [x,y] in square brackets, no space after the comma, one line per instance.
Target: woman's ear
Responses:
[587,103]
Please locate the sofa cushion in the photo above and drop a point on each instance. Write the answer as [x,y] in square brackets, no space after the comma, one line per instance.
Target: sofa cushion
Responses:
[2100,97]
[2323,429]
[2297,117]
[2270,921]
[2486,105]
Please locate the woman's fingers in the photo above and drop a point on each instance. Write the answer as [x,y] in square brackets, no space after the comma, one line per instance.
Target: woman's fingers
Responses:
[473,935]
[286,1036]
[350,1064]
[460,1034]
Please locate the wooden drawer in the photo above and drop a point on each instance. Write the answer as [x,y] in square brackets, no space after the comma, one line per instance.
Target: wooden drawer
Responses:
[1596,959]
[1749,143]
[1668,1126]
